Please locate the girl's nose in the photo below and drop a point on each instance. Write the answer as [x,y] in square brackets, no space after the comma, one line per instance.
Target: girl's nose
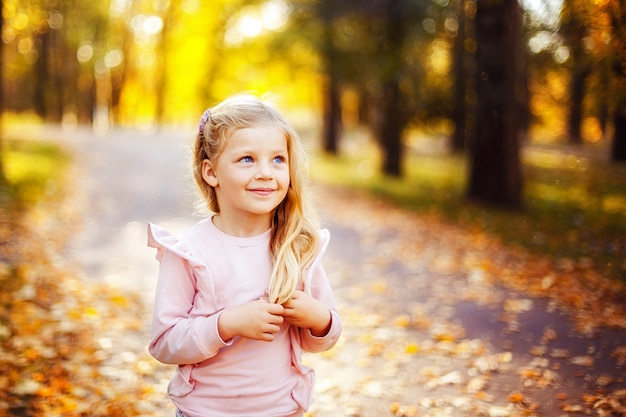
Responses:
[264,171]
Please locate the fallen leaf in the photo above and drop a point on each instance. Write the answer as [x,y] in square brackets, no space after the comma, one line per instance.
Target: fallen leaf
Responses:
[515,397]
[582,360]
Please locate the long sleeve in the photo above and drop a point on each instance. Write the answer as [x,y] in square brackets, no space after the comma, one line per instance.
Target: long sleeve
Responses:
[179,336]
[319,287]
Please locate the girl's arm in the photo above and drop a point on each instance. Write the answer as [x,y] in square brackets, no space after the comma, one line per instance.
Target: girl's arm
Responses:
[177,338]
[315,313]
[307,312]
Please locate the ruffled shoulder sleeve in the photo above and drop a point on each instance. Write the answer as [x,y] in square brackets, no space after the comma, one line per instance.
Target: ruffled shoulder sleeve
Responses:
[163,240]
[324,240]
[184,325]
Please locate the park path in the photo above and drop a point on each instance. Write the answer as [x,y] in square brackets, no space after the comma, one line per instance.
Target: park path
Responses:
[425,331]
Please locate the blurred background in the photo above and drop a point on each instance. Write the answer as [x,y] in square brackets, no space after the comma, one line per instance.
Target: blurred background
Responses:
[468,156]
[433,103]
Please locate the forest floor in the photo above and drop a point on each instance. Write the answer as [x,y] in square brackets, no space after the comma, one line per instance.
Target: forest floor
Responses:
[438,320]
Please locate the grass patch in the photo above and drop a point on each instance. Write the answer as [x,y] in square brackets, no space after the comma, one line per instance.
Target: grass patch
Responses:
[575,207]
[32,168]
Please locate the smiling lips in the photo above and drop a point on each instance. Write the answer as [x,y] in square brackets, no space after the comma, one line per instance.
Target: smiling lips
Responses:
[262,191]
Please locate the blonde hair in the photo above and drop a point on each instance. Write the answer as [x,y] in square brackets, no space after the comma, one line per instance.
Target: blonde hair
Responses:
[294,235]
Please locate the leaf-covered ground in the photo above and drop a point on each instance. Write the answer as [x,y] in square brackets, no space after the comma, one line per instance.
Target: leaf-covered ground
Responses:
[442,321]
[438,321]
[67,347]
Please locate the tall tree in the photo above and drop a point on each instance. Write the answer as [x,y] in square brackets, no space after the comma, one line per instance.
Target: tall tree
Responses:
[365,46]
[42,78]
[3,180]
[574,30]
[617,13]
[330,61]
[54,67]
[119,74]
[459,73]
[495,169]
[392,113]
[161,68]
[393,85]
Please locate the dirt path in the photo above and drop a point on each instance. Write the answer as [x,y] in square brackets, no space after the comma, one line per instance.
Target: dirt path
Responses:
[427,332]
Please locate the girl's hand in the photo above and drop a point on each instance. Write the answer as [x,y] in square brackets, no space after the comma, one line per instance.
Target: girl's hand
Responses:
[259,320]
[309,313]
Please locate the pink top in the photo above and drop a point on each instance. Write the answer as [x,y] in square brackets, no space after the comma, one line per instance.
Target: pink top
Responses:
[203,272]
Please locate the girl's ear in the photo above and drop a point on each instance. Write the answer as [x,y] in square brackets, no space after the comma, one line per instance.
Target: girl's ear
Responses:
[208,173]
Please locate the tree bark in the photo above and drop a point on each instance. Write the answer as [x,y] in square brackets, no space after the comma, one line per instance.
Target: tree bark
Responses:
[604,97]
[618,149]
[391,129]
[495,169]
[170,18]
[3,180]
[459,112]
[332,105]
[618,23]
[332,114]
[577,94]
[41,79]
[58,66]
[573,30]
[392,113]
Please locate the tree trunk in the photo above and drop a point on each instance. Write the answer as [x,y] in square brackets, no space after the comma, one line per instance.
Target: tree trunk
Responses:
[604,97]
[495,169]
[391,130]
[574,30]
[618,150]
[392,113]
[522,96]
[85,95]
[577,94]
[170,19]
[332,114]
[161,73]
[3,180]
[120,73]
[49,88]
[459,113]
[618,23]
[332,105]
[41,79]
[58,66]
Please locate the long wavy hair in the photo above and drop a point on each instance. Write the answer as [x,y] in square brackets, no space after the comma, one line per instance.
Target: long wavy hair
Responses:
[294,235]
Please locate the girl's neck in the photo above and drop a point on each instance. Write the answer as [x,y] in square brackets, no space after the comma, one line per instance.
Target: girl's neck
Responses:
[241,226]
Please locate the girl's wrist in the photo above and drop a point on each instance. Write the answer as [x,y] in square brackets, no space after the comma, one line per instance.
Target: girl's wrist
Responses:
[223,328]
[323,331]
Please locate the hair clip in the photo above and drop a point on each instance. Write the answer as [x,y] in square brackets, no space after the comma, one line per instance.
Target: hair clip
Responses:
[203,120]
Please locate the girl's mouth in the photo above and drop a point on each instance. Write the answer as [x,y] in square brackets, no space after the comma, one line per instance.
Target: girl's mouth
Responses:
[262,191]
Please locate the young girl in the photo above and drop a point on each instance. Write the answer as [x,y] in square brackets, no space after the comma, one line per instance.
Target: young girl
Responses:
[243,292]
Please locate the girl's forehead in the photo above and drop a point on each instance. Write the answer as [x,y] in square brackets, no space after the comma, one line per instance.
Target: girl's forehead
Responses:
[257,136]
[259,125]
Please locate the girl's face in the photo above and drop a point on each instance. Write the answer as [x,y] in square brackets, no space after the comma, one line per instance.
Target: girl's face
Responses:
[251,176]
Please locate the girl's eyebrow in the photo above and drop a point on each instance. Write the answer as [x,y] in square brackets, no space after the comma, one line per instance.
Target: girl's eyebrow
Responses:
[252,150]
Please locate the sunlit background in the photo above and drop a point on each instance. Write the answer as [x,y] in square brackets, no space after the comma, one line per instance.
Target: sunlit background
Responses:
[141,63]
[458,296]
[378,83]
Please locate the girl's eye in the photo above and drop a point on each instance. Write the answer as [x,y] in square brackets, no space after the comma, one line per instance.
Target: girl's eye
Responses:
[279,160]
[246,159]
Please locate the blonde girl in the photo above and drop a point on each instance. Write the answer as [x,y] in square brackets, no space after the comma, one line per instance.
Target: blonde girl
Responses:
[243,292]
